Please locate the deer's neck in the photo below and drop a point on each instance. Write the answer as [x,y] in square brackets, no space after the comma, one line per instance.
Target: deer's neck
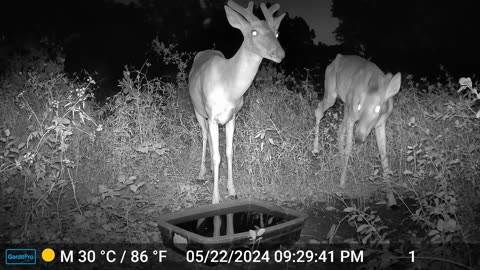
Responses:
[242,68]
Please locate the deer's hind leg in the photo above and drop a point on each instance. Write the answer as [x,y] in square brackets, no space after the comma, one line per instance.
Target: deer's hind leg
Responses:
[328,100]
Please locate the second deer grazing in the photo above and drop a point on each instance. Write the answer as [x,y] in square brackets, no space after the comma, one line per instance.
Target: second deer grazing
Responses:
[217,84]
[367,94]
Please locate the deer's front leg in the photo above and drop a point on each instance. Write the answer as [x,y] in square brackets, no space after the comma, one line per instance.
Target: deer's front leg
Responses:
[382,148]
[341,134]
[348,149]
[229,129]
[203,126]
[318,117]
[213,131]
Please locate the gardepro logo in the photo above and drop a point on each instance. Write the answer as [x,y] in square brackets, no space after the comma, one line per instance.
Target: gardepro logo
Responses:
[21,256]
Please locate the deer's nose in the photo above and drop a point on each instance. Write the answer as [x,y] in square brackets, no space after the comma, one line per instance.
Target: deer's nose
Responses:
[359,140]
[360,136]
[278,54]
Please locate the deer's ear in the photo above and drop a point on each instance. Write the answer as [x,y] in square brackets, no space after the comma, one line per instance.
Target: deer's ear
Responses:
[393,86]
[236,20]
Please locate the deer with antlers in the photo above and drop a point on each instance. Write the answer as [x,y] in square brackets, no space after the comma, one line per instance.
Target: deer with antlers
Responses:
[367,94]
[217,85]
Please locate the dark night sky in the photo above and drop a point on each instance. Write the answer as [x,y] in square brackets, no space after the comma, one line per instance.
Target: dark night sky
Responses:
[316,13]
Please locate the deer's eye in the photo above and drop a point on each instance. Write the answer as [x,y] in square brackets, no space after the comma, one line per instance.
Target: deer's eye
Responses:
[276,35]
[254,32]
[359,107]
[377,109]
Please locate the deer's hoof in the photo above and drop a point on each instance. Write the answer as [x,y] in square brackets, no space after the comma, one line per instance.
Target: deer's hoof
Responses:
[315,152]
[201,180]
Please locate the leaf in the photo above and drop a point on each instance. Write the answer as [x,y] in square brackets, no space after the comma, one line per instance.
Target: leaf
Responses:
[9,190]
[365,239]
[78,219]
[436,239]
[56,167]
[133,188]
[143,150]
[179,240]
[350,241]
[451,225]
[466,82]
[102,189]
[107,227]
[7,132]
[362,227]
[313,241]
[270,220]
[160,152]
[441,225]
[152,224]
[455,161]
[407,172]
[433,232]
[349,209]
[122,178]
[260,232]
[331,232]
[21,145]
[271,141]
[130,180]
[409,158]
[331,208]
[9,145]
[253,234]
[448,238]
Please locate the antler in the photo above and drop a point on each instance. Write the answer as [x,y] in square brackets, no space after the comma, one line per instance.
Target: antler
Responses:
[268,13]
[245,12]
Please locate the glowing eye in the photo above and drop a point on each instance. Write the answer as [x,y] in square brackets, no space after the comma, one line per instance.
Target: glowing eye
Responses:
[254,32]
[377,108]
[276,35]
[359,107]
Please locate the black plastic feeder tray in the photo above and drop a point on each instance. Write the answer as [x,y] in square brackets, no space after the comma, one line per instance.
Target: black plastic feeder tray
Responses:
[282,225]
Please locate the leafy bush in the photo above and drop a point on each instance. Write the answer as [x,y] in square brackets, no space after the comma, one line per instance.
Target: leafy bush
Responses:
[54,113]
